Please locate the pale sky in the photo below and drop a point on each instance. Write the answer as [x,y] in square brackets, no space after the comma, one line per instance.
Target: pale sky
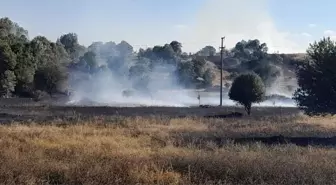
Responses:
[286,26]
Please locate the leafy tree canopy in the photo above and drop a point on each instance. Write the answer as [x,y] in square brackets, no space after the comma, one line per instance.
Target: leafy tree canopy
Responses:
[247,89]
[317,79]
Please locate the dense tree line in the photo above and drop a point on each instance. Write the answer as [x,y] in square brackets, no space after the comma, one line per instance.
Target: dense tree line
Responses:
[316,74]
[32,66]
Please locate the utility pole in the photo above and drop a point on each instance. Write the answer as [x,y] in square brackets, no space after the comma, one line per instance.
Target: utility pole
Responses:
[221,71]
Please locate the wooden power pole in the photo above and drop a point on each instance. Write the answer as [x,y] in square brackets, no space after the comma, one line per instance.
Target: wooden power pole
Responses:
[221,72]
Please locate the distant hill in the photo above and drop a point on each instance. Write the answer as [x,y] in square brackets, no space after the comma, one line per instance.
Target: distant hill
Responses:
[289,62]
[229,62]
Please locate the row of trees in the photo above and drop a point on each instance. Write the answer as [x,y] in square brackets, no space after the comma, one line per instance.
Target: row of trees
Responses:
[28,67]
[40,65]
[316,79]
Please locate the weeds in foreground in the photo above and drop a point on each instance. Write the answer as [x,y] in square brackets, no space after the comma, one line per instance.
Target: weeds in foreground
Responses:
[164,151]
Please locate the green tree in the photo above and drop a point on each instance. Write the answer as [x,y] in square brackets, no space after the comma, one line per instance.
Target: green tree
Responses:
[250,50]
[247,89]
[139,75]
[177,47]
[7,58]
[8,27]
[317,79]
[124,48]
[188,72]
[199,67]
[70,42]
[165,52]
[50,78]
[7,83]
[253,57]
[264,68]
[207,51]
[71,46]
[88,62]
[7,65]
[24,72]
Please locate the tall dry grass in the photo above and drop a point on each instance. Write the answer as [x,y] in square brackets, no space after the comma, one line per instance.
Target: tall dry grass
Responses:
[164,151]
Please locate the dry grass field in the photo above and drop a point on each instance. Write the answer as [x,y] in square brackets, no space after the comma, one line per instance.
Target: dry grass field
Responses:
[159,150]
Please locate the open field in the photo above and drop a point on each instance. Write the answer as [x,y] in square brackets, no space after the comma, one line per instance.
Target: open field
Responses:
[49,144]
[167,150]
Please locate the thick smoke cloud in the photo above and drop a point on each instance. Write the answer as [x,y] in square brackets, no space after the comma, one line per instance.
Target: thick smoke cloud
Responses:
[115,62]
[107,88]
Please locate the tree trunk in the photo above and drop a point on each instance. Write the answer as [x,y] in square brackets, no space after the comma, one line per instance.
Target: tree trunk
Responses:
[248,108]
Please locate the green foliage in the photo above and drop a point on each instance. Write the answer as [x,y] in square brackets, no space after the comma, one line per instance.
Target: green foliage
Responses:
[267,71]
[71,46]
[188,73]
[254,58]
[24,72]
[25,63]
[139,75]
[250,50]
[7,27]
[138,70]
[317,79]
[207,51]
[124,48]
[7,58]
[177,47]
[7,83]
[50,78]
[247,89]
[165,52]
[70,42]
[88,62]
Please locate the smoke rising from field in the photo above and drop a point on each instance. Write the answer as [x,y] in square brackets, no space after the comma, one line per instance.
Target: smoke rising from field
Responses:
[237,20]
[106,87]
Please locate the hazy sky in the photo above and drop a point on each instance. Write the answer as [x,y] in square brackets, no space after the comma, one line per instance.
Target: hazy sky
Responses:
[286,26]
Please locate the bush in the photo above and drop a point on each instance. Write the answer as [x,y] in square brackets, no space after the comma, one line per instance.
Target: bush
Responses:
[247,89]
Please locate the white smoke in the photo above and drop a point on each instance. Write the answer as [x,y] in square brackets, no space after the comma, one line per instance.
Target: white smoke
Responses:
[106,88]
[237,20]
[284,85]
